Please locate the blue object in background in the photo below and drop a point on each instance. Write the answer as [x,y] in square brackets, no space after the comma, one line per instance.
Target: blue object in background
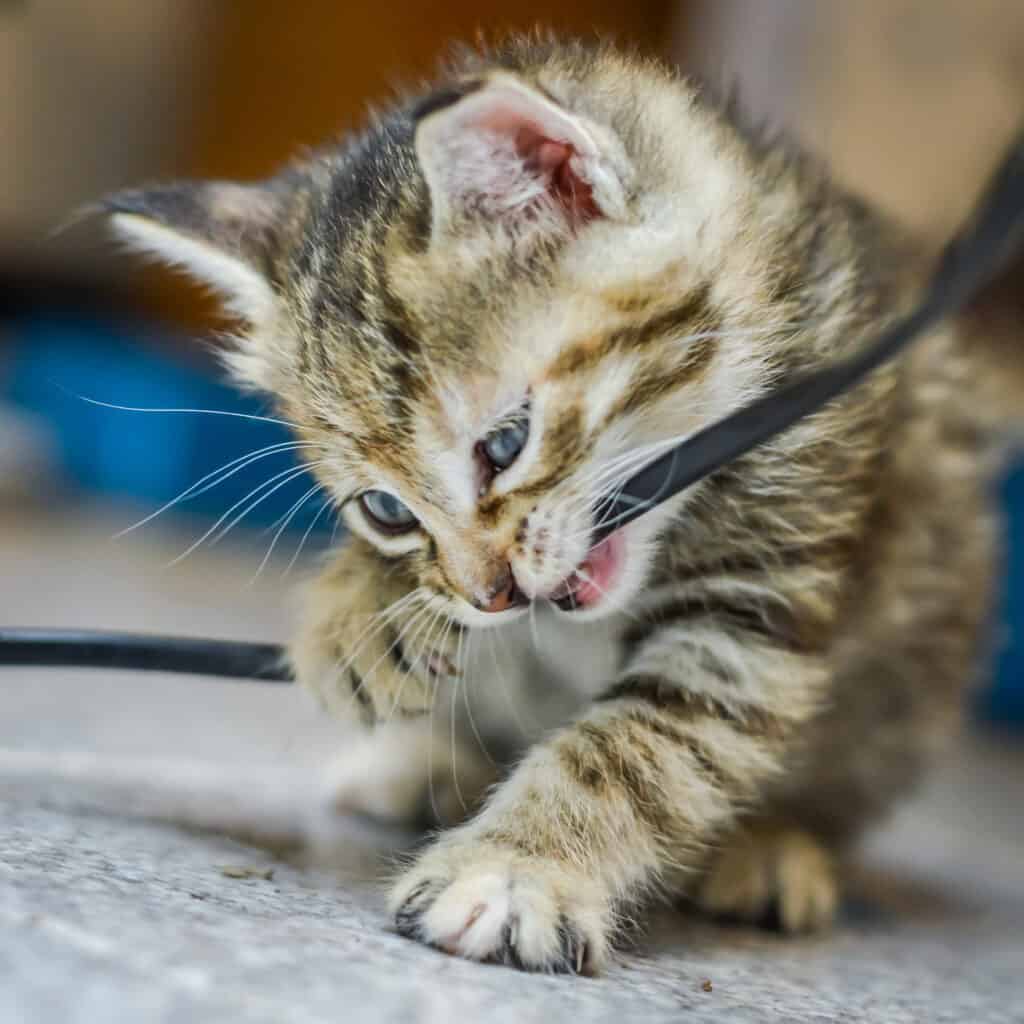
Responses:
[1004,701]
[151,458]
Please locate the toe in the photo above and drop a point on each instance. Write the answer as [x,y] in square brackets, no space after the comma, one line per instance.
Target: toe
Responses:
[498,908]
[807,889]
[778,878]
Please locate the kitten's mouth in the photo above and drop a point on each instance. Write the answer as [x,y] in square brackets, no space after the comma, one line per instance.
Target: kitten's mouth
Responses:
[595,576]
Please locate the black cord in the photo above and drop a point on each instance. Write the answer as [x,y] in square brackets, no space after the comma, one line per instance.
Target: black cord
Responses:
[968,262]
[83,648]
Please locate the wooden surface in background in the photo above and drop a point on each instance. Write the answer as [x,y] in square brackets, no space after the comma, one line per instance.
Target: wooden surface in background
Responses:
[291,75]
[285,76]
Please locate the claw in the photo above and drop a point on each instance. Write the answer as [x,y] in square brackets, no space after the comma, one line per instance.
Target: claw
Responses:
[512,932]
[407,918]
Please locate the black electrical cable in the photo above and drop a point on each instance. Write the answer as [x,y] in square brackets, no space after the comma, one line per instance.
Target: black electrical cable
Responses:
[970,261]
[967,263]
[84,648]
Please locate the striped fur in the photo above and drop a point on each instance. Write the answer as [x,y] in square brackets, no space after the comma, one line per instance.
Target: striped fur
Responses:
[786,643]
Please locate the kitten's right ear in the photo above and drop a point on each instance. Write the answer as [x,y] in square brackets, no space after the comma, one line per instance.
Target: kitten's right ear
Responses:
[220,233]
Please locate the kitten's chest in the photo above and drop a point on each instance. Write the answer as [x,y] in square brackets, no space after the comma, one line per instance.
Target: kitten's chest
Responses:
[541,668]
[581,657]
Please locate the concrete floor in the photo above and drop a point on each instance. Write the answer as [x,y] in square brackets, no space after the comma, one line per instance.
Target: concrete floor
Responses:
[117,895]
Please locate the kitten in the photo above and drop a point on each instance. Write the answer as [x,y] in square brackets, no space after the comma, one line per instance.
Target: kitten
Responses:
[485,313]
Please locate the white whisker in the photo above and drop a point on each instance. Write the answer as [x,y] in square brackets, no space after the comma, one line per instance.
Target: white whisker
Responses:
[496,635]
[378,622]
[469,709]
[197,412]
[395,644]
[617,606]
[222,473]
[367,675]
[287,474]
[302,543]
[454,744]
[292,512]
[534,635]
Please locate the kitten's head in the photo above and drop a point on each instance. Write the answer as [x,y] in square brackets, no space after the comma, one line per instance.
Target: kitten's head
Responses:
[491,308]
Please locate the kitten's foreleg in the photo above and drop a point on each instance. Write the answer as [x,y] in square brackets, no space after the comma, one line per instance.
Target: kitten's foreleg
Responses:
[631,792]
[372,646]
[377,653]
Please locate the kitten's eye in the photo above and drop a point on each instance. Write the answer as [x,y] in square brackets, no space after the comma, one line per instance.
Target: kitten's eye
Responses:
[387,512]
[502,447]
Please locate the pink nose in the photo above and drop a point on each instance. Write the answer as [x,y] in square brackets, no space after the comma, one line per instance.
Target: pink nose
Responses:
[505,594]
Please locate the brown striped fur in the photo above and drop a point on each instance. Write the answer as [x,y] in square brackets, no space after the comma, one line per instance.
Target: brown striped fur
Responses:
[790,640]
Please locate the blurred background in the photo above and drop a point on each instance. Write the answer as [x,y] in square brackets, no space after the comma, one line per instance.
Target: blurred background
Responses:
[911,100]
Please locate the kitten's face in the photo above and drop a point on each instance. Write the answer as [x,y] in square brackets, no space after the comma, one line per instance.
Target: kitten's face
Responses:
[490,313]
[489,482]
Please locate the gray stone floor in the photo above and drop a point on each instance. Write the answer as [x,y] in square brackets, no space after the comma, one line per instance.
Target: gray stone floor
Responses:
[118,900]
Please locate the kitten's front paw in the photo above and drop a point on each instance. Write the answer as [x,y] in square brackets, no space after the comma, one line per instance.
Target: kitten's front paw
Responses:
[486,902]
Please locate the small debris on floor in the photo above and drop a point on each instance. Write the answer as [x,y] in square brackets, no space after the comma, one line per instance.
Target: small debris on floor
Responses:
[240,871]
[706,985]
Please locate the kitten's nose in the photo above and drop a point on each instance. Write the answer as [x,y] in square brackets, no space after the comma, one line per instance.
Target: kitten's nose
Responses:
[504,594]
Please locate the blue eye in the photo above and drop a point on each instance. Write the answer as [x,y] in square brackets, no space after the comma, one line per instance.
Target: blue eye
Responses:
[387,512]
[502,447]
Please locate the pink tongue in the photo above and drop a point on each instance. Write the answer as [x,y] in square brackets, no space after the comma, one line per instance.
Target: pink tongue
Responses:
[598,571]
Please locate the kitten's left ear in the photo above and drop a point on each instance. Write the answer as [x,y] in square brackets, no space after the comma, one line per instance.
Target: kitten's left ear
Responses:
[502,150]
[220,233]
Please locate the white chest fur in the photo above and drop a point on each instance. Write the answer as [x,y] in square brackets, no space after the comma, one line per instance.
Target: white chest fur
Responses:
[538,670]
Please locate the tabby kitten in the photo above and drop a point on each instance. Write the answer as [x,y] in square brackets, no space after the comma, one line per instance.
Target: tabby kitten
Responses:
[484,314]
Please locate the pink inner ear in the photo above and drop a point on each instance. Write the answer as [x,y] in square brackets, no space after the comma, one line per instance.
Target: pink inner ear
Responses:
[549,159]
[552,160]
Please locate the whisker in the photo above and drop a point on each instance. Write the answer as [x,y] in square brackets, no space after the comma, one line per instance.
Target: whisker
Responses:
[637,456]
[288,475]
[367,676]
[372,631]
[298,472]
[730,333]
[206,483]
[613,486]
[309,529]
[399,636]
[334,532]
[625,462]
[473,726]
[423,629]
[196,412]
[284,476]
[431,793]
[497,635]
[293,511]
[533,626]
[617,606]
[379,621]
[644,503]
[392,609]
[454,765]
[423,638]
[469,709]
[454,743]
